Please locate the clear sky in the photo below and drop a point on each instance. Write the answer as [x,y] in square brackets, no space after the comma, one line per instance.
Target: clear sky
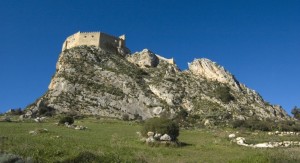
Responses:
[256,40]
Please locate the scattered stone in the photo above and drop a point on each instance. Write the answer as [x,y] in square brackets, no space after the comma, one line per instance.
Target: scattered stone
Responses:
[80,128]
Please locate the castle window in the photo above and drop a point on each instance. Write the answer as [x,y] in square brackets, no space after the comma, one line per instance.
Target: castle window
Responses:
[84,36]
[92,36]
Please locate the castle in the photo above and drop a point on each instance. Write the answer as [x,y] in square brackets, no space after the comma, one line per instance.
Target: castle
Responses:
[97,39]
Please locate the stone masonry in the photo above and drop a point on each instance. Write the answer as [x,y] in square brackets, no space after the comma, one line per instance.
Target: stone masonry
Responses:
[97,39]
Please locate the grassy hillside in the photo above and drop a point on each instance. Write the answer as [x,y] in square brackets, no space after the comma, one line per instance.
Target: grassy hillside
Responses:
[117,141]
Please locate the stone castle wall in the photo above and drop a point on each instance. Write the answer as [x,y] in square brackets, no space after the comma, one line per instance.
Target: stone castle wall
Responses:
[97,39]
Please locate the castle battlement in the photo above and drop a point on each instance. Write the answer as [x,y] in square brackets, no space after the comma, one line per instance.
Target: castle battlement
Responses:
[97,39]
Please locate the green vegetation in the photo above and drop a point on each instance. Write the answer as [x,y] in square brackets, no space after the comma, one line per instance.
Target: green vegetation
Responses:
[266,125]
[65,119]
[17,111]
[223,93]
[162,126]
[125,117]
[108,140]
[296,112]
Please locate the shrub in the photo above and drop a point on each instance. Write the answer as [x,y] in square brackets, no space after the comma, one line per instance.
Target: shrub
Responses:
[182,114]
[137,117]
[296,112]
[162,126]
[238,123]
[253,124]
[125,117]
[65,119]
[223,93]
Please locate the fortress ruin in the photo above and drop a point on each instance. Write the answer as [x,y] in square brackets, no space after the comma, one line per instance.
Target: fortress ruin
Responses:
[97,39]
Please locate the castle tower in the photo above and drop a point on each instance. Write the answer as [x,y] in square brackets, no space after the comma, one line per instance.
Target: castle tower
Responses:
[97,39]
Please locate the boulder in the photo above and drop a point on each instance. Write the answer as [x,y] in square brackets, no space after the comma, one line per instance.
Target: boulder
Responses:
[241,141]
[231,136]
[150,140]
[263,145]
[165,137]
[150,134]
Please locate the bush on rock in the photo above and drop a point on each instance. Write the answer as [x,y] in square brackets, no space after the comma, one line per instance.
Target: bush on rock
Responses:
[161,126]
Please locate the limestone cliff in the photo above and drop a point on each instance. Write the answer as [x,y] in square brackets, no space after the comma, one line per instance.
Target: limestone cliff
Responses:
[93,81]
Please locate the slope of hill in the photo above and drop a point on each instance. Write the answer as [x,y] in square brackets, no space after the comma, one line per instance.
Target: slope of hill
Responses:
[93,81]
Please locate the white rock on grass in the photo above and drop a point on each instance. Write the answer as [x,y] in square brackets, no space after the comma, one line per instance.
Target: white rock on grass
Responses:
[150,134]
[165,137]
[263,145]
[241,141]
[150,140]
[231,136]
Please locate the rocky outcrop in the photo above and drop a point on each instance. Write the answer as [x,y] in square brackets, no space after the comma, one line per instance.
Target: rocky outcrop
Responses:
[212,71]
[146,58]
[93,81]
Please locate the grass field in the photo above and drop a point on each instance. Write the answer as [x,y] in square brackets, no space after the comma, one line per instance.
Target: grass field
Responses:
[109,140]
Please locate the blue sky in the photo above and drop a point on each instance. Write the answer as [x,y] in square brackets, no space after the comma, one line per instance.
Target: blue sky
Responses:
[258,41]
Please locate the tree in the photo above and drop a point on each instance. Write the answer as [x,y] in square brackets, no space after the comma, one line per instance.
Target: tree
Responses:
[296,112]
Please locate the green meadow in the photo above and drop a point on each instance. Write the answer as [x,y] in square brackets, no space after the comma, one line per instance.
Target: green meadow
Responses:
[108,140]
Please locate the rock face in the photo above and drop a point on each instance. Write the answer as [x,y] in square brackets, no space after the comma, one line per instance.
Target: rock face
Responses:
[92,81]
[212,71]
[144,59]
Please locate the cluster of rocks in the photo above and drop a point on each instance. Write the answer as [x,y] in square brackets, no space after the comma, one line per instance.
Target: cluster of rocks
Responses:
[283,133]
[39,119]
[242,142]
[153,137]
[76,127]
